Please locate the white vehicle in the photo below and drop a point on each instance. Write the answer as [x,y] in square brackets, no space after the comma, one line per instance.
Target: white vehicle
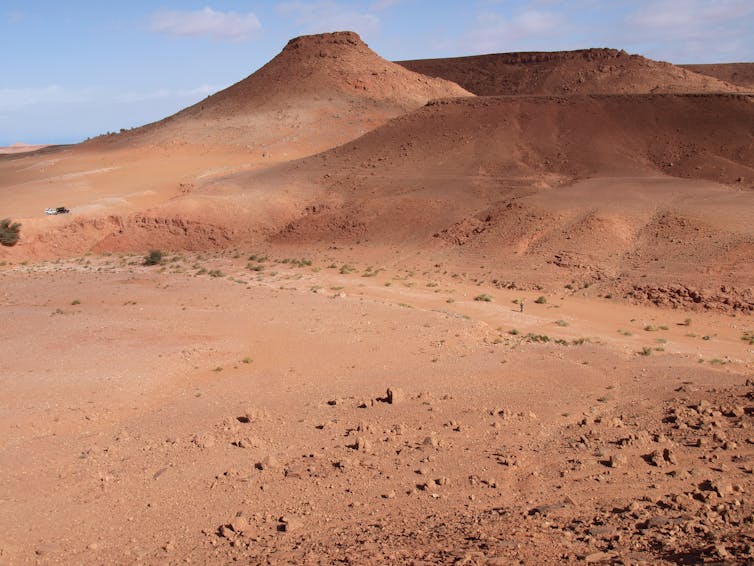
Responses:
[58,210]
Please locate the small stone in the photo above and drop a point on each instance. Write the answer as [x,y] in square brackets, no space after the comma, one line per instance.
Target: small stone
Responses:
[722,488]
[204,441]
[669,456]
[656,459]
[616,461]
[46,548]
[93,546]
[363,444]
[395,395]
[598,557]
[442,481]
[389,495]
[430,441]
[270,462]
[289,523]
[225,531]
[239,523]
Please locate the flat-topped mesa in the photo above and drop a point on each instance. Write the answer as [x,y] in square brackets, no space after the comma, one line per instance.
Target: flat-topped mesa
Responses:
[584,71]
[592,54]
[333,44]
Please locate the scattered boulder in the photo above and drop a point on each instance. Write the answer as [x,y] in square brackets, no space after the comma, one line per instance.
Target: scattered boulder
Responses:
[395,395]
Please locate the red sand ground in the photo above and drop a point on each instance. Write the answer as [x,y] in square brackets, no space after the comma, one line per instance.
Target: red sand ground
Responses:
[230,404]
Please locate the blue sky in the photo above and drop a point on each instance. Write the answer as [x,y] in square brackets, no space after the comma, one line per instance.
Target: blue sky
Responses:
[74,68]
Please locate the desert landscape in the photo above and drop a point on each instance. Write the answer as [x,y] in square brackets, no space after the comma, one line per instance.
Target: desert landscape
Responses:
[480,310]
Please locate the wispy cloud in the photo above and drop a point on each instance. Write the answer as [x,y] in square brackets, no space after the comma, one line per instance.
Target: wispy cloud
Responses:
[326,15]
[221,26]
[16,98]
[15,16]
[495,32]
[166,93]
[689,30]
[384,4]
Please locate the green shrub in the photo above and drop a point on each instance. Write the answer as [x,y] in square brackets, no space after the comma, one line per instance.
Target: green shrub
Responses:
[483,297]
[9,232]
[154,257]
[541,300]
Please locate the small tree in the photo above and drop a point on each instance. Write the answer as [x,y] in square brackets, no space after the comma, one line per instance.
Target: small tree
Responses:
[154,257]
[9,232]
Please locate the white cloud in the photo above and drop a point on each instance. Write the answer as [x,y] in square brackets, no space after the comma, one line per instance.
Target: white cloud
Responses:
[326,16]
[221,26]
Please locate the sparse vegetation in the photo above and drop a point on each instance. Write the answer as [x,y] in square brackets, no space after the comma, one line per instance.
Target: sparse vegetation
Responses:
[75,302]
[561,322]
[541,300]
[484,297]
[154,257]
[346,269]
[646,351]
[215,273]
[650,328]
[514,332]
[10,232]
[247,360]
[748,337]
[542,338]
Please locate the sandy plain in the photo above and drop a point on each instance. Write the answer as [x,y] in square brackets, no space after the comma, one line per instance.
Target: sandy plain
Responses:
[330,364]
